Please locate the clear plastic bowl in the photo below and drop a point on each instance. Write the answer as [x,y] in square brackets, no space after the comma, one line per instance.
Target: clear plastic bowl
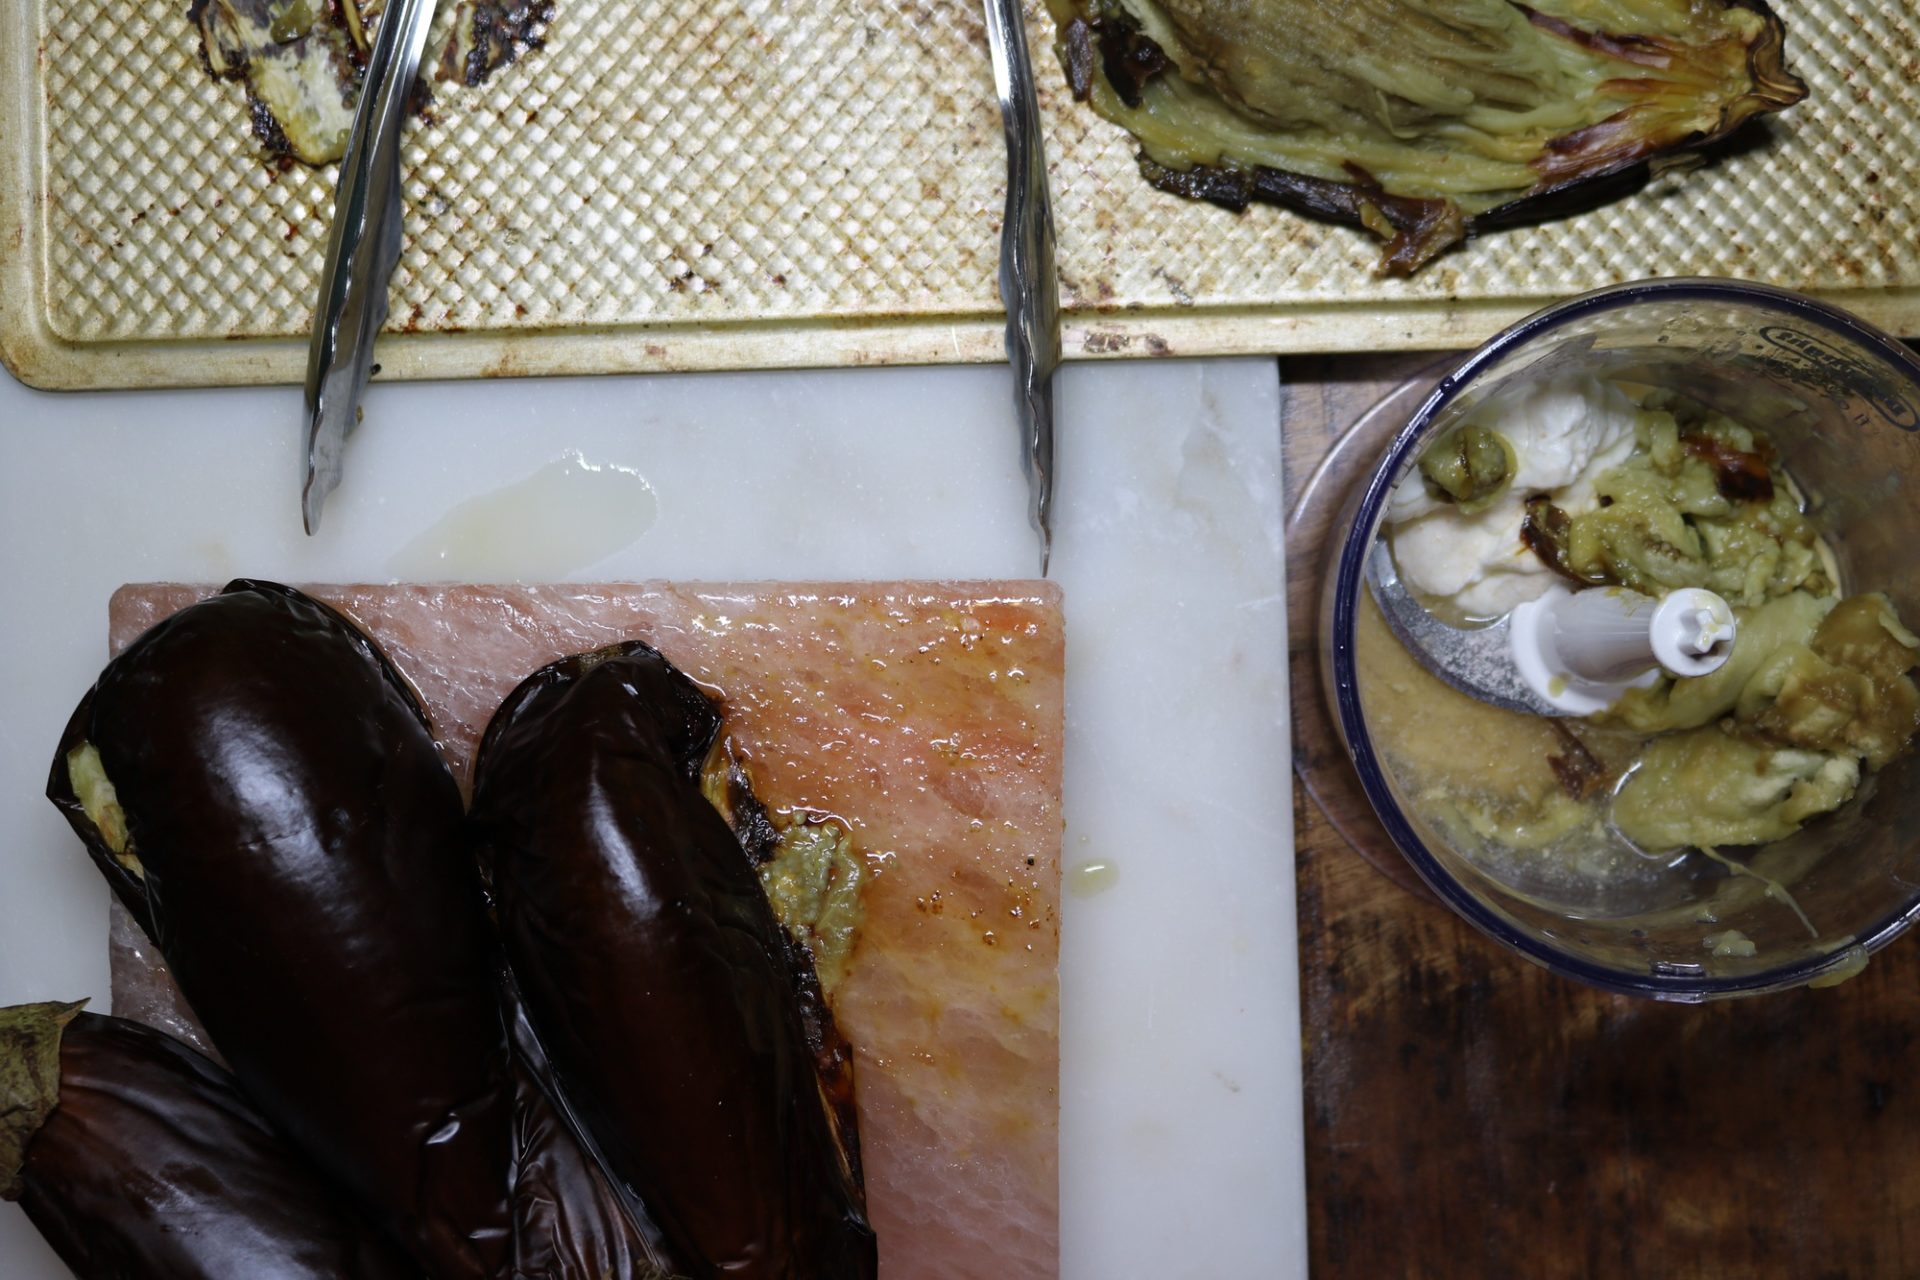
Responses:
[1841,402]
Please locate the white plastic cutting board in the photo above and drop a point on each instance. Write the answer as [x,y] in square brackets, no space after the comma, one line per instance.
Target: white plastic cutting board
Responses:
[1181,1150]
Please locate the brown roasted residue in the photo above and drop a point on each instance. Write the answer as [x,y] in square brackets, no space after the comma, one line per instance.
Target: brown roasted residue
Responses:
[490,34]
[1129,57]
[1580,772]
[1545,531]
[1739,476]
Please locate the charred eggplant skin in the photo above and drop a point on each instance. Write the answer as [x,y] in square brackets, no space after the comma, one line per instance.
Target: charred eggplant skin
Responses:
[655,974]
[153,1164]
[299,858]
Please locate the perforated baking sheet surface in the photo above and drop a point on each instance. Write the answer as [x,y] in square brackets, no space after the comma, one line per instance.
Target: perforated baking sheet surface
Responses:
[758,183]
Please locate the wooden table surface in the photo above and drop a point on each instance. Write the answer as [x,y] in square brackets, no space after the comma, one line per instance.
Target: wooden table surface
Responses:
[1471,1115]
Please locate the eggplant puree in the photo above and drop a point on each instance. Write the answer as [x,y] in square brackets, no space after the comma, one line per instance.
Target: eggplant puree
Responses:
[1817,693]
[683,1024]
[137,1157]
[285,830]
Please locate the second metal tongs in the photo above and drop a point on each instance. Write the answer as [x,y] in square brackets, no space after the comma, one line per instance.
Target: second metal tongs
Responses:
[1028,286]
[362,249]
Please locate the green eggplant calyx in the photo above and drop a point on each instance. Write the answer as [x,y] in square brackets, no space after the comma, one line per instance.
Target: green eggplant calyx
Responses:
[29,1080]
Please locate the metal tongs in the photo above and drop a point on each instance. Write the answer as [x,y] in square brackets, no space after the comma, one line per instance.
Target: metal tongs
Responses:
[1028,286]
[362,250]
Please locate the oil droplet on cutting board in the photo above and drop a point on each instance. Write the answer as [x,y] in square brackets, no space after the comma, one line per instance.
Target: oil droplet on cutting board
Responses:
[567,515]
[1090,878]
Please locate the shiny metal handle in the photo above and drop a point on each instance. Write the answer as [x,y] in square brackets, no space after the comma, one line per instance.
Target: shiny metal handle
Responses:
[362,249]
[1028,286]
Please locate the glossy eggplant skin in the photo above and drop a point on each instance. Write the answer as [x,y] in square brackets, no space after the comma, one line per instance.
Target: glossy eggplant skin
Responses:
[298,856]
[654,971]
[570,1220]
[154,1166]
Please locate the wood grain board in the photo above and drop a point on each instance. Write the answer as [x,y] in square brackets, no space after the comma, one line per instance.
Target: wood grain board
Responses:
[1471,1115]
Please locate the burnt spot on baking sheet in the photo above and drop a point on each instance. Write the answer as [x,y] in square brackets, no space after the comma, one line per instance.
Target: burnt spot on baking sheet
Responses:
[491,34]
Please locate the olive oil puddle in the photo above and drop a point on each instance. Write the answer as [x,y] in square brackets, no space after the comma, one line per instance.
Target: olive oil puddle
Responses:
[569,514]
[1091,879]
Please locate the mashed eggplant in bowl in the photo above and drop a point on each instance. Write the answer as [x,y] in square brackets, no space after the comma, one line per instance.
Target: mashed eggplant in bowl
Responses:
[1739,832]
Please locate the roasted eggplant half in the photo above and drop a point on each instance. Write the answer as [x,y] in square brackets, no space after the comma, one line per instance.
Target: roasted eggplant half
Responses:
[656,975]
[1423,121]
[137,1157]
[302,61]
[262,790]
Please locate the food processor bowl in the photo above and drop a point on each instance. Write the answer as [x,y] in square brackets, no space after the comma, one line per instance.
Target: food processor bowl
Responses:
[1840,401]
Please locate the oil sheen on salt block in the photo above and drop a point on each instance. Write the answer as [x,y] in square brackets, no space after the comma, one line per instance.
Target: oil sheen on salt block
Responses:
[928,717]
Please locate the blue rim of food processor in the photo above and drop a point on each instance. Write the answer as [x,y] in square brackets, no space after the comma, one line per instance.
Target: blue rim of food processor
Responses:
[1348,584]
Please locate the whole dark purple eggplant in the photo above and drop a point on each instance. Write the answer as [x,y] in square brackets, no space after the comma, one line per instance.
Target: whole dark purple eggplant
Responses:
[262,790]
[570,1220]
[137,1157]
[655,973]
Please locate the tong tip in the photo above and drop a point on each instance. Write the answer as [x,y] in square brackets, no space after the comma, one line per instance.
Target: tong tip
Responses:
[325,440]
[312,497]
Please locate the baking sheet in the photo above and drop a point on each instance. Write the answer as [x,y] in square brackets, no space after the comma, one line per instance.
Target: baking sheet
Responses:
[677,184]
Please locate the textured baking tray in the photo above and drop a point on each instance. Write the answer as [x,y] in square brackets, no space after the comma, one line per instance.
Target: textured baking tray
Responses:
[681,184]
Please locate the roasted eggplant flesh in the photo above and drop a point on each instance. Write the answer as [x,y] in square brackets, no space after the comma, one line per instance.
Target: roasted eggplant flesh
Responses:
[808,865]
[302,61]
[136,1157]
[656,975]
[1421,120]
[286,831]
